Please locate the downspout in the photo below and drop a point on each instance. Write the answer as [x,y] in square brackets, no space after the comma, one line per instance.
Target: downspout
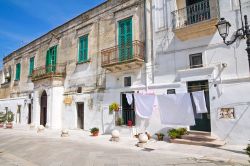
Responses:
[98,53]
[145,44]
[152,44]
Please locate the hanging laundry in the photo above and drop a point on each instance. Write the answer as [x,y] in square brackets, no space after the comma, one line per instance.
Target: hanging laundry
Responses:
[129,97]
[200,102]
[144,105]
[176,109]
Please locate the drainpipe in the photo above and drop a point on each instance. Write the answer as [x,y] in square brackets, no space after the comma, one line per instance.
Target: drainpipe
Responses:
[152,44]
[146,43]
[148,40]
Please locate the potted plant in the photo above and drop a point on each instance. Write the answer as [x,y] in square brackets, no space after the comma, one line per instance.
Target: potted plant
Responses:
[120,121]
[10,119]
[113,107]
[94,131]
[160,136]
[182,131]
[149,135]
[2,119]
[173,134]
[248,150]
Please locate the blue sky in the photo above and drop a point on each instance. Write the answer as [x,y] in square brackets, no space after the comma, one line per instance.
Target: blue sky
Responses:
[22,21]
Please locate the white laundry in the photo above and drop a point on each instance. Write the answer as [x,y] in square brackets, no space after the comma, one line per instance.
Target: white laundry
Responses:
[200,102]
[129,97]
[176,109]
[144,105]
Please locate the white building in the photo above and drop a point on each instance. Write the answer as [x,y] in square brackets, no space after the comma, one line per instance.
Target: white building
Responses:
[189,55]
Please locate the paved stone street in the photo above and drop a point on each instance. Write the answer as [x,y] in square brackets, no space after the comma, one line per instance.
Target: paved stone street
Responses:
[27,148]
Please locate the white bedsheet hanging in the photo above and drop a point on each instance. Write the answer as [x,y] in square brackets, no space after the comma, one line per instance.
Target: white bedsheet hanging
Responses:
[200,102]
[176,109]
[129,97]
[144,105]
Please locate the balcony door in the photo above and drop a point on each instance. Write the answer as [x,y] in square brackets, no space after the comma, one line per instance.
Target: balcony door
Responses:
[197,10]
[51,59]
[125,39]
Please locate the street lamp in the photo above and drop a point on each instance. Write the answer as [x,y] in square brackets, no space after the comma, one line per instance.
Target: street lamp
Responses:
[243,32]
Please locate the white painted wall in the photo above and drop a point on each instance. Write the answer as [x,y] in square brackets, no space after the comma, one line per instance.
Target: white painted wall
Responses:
[172,58]
[12,105]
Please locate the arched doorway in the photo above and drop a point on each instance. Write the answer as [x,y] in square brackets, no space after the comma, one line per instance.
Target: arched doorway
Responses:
[43,113]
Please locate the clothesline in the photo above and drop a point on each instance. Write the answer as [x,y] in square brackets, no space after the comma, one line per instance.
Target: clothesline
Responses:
[175,109]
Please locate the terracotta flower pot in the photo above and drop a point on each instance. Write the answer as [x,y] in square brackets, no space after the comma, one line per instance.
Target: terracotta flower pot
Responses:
[9,125]
[95,134]
[1,125]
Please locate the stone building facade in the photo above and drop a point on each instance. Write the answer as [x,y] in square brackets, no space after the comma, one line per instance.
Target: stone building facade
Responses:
[64,78]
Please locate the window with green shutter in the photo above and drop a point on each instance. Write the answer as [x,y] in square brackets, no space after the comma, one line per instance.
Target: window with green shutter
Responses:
[18,71]
[32,65]
[125,39]
[83,49]
[51,59]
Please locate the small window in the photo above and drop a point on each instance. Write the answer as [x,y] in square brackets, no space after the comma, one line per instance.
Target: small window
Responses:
[171,91]
[127,81]
[79,90]
[32,64]
[83,49]
[18,71]
[195,60]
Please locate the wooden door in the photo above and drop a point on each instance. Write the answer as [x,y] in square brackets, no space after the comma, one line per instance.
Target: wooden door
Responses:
[80,115]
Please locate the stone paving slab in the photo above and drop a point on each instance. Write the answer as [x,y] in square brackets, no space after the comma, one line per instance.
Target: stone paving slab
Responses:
[26,147]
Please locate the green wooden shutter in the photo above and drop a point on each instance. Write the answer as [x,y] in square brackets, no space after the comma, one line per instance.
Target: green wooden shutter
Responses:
[31,65]
[51,58]
[80,53]
[129,41]
[48,61]
[83,49]
[18,71]
[125,38]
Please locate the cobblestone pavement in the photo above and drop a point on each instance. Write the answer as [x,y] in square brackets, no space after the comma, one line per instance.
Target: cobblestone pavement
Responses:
[31,149]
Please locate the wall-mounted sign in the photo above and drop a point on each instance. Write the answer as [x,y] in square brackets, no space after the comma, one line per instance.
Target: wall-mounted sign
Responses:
[226,113]
[68,100]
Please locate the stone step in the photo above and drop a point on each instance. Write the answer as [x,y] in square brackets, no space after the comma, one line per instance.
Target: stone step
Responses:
[194,137]
[193,132]
[215,143]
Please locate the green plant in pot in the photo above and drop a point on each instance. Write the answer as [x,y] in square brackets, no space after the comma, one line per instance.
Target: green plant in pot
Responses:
[10,119]
[94,131]
[113,107]
[182,131]
[173,134]
[248,150]
[160,136]
[2,119]
[120,121]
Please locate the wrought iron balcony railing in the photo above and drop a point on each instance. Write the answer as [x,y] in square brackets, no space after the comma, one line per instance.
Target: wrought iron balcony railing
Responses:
[198,12]
[50,71]
[123,53]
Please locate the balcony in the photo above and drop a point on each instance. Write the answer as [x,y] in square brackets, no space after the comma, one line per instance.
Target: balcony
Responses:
[196,20]
[51,72]
[120,58]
